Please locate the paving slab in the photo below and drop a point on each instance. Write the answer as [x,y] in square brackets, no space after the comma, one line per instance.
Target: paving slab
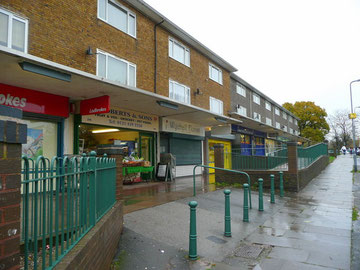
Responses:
[306,230]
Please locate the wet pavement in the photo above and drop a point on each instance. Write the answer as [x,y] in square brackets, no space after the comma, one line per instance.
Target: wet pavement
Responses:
[306,230]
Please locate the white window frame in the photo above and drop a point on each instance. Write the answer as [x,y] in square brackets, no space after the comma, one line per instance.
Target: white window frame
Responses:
[256,98]
[129,13]
[10,23]
[277,111]
[107,55]
[186,88]
[290,119]
[268,121]
[220,79]
[268,105]
[241,90]
[278,125]
[257,116]
[220,101]
[172,43]
[241,110]
[291,130]
[284,115]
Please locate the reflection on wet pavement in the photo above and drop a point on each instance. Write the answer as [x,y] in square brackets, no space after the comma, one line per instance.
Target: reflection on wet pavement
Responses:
[144,195]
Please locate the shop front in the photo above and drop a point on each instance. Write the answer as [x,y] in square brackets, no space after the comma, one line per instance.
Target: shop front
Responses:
[44,115]
[185,142]
[259,143]
[134,132]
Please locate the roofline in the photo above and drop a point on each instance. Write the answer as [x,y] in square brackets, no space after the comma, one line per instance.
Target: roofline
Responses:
[245,83]
[157,17]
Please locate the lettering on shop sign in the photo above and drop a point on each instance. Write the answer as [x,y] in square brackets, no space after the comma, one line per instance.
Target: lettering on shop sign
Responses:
[124,118]
[9,100]
[95,105]
[171,125]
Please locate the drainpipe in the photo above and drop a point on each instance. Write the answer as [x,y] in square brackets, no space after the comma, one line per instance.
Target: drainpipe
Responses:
[155,65]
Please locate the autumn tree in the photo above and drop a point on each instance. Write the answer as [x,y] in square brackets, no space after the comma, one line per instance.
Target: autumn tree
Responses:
[312,123]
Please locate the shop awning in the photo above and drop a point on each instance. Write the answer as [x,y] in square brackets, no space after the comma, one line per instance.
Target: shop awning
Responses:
[81,85]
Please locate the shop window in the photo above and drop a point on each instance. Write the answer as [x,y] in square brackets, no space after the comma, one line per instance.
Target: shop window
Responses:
[116,69]
[215,74]
[179,52]
[118,16]
[216,105]
[256,99]
[241,90]
[42,139]
[179,92]
[13,31]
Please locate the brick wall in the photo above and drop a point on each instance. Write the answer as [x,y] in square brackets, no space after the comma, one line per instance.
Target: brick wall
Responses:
[97,248]
[12,135]
[61,31]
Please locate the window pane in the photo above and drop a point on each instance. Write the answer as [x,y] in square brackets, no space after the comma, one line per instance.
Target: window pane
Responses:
[171,48]
[18,35]
[117,70]
[132,76]
[4,24]
[187,57]
[187,95]
[101,65]
[179,53]
[132,23]
[179,92]
[117,17]
[102,9]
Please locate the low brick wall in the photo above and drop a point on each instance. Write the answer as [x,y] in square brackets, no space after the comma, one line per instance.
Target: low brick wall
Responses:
[292,181]
[307,174]
[97,248]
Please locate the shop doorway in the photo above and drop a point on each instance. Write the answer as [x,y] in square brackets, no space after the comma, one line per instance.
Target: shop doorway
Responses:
[227,154]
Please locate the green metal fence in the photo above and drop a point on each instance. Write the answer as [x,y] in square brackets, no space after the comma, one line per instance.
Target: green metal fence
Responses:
[274,160]
[62,200]
[308,155]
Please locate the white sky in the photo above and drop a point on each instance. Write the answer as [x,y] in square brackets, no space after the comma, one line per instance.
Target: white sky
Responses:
[291,50]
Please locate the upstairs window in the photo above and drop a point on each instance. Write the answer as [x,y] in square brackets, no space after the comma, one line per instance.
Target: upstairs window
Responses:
[13,31]
[179,52]
[118,16]
[277,111]
[284,115]
[257,116]
[241,90]
[215,74]
[268,106]
[268,121]
[179,92]
[295,121]
[277,125]
[116,69]
[284,128]
[241,110]
[291,130]
[256,99]
[216,105]
[290,119]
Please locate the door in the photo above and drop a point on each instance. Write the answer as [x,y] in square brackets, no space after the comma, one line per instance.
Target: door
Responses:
[227,154]
[146,148]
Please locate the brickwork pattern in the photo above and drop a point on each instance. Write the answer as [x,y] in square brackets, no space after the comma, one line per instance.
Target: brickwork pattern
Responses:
[13,134]
[61,31]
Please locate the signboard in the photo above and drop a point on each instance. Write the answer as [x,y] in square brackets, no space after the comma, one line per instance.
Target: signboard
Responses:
[34,101]
[95,105]
[240,129]
[352,115]
[124,118]
[176,126]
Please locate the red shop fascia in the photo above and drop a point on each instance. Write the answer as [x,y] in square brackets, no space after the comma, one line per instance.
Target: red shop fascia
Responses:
[44,114]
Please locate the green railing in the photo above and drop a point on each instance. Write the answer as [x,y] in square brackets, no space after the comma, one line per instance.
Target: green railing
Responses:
[62,200]
[222,169]
[277,159]
[307,156]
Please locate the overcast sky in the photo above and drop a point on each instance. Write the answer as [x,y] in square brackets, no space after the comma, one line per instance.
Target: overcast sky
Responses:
[291,50]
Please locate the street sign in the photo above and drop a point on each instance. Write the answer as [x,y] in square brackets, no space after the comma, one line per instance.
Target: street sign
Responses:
[352,115]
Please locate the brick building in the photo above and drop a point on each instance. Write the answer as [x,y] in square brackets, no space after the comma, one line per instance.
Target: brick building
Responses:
[165,87]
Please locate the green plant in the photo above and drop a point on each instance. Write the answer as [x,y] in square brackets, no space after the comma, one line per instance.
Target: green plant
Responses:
[331,159]
[355,214]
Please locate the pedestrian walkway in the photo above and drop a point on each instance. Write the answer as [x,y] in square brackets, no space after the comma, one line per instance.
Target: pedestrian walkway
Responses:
[306,230]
